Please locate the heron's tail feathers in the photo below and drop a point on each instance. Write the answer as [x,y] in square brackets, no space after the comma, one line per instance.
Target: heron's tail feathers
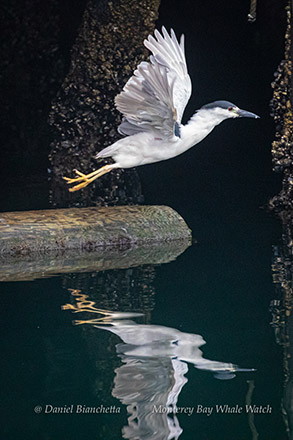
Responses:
[106,152]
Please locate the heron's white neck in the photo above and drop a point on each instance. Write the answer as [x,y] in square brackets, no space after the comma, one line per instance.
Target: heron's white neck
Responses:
[199,126]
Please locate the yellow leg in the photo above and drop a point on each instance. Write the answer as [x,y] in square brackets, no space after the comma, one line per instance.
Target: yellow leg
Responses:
[81,178]
[86,179]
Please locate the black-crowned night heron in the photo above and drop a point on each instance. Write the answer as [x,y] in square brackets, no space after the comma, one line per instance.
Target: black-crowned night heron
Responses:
[152,103]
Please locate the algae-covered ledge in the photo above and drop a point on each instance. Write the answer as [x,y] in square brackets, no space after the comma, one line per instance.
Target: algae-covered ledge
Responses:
[89,228]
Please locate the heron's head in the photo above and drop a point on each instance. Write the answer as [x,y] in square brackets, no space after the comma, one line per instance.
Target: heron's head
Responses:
[225,110]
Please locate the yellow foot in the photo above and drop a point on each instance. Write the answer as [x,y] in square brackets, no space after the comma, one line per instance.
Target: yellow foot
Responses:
[80,186]
[86,179]
[82,177]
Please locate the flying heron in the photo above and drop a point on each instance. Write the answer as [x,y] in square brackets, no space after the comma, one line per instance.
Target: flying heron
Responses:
[152,103]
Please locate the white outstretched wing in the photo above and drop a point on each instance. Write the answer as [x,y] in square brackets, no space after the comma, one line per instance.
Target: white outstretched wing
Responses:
[154,98]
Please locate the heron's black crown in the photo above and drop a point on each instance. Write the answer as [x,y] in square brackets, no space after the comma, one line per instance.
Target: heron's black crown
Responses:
[217,104]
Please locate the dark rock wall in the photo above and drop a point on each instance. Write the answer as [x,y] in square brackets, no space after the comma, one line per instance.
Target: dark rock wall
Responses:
[282,147]
[90,48]
[108,48]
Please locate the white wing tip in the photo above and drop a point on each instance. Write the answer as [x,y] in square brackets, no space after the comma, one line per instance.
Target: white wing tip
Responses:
[182,43]
[164,34]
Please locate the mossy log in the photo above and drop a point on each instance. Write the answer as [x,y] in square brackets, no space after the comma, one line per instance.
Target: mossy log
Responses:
[88,228]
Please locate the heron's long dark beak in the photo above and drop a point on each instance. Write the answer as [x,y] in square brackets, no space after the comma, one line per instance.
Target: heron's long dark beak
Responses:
[245,114]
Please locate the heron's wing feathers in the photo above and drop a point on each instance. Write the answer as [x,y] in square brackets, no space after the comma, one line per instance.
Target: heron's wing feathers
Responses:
[147,102]
[169,53]
[155,96]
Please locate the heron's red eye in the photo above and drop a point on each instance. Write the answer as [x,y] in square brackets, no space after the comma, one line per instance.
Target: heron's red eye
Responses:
[230,108]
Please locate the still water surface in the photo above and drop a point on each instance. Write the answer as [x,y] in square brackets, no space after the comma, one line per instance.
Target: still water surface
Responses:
[150,351]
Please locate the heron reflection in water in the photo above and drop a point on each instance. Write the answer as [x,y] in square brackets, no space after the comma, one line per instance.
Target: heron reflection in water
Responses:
[155,361]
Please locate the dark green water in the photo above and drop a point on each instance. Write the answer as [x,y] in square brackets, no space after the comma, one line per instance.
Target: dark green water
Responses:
[218,290]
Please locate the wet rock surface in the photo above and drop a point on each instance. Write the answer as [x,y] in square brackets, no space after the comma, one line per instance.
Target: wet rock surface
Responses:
[282,147]
[65,62]
[108,47]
